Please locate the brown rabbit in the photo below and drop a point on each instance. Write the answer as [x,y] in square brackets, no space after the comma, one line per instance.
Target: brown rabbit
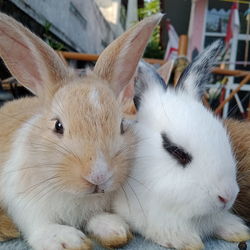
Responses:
[239,132]
[65,152]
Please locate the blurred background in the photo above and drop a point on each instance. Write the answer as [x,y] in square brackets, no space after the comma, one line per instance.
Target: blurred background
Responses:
[80,29]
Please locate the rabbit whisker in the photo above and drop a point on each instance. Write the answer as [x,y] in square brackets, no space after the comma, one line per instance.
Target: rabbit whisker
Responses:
[137,198]
[127,199]
[131,177]
[42,190]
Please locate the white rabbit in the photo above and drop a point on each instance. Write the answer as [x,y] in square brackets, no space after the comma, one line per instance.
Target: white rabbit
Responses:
[64,152]
[183,182]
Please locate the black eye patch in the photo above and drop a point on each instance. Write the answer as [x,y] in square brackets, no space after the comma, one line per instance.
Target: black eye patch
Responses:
[177,152]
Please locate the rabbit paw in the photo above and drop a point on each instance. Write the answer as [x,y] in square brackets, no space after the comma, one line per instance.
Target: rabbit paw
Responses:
[193,242]
[183,246]
[193,247]
[59,237]
[8,230]
[233,229]
[234,233]
[109,229]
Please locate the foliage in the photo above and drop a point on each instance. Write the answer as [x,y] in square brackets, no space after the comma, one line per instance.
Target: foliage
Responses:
[49,39]
[151,7]
[154,49]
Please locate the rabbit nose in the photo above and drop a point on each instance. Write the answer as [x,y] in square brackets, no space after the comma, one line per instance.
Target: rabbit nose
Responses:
[100,171]
[96,179]
[223,199]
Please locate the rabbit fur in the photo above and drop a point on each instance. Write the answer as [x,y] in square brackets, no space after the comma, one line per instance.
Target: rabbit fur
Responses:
[183,182]
[64,152]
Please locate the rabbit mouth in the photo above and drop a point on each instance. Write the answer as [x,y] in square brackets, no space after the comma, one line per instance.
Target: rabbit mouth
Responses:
[98,190]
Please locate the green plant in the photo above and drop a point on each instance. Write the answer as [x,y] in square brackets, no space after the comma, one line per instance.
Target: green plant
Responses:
[154,49]
[49,39]
[151,7]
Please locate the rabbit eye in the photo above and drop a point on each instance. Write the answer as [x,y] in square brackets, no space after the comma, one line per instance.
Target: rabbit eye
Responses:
[59,127]
[177,152]
[122,131]
[125,124]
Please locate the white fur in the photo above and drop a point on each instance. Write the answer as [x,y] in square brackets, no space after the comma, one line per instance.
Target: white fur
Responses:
[57,237]
[94,98]
[106,225]
[173,205]
[100,172]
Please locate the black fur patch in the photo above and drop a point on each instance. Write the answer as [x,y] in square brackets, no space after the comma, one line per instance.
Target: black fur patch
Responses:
[147,77]
[175,151]
[200,69]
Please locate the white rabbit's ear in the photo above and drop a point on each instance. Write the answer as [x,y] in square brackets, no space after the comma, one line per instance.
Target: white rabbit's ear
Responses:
[146,79]
[118,62]
[195,77]
[31,61]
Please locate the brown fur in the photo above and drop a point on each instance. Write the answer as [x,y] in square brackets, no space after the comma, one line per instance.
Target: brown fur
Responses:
[88,129]
[7,228]
[87,245]
[239,132]
[137,36]
[26,108]
[114,241]
[193,248]
[84,120]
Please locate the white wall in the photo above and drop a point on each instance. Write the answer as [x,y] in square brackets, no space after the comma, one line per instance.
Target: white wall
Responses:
[78,23]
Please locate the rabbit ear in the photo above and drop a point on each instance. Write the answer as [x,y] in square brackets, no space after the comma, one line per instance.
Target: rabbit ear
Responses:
[118,62]
[196,75]
[146,79]
[165,70]
[31,61]
[142,78]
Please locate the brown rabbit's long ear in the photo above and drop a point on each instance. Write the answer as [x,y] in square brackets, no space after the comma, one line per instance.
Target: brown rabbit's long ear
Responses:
[165,70]
[30,60]
[118,62]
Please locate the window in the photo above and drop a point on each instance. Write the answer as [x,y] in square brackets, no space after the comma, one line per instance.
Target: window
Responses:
[217,16]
